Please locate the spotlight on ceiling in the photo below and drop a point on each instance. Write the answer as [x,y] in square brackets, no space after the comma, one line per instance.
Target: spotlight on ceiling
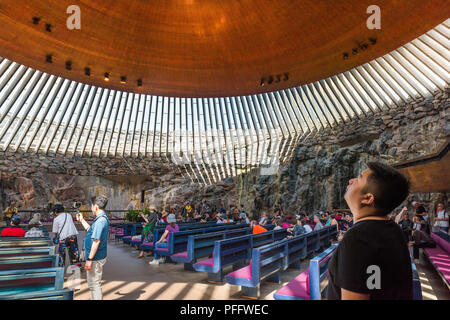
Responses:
[286,76]
[48,58]
[106,76]
[278,79]
[354,51]
[36,20]
[364,46]
[87,71]
[139,82]
[69,65]
[123,79]
[48,27]
[345,55]
[261,83]
[270,80]
[373,40]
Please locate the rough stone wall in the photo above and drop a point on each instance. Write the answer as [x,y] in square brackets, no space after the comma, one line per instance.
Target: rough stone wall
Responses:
[318,174]
[315,179]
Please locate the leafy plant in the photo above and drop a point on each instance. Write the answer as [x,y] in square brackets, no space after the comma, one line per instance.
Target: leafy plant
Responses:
[132,215]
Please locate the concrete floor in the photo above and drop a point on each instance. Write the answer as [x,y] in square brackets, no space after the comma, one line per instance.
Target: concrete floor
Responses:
[125,277]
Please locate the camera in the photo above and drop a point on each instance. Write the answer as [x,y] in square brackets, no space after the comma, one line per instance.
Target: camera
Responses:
[76,205]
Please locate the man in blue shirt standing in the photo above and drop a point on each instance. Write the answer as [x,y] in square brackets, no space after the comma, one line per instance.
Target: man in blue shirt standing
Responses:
[95,245]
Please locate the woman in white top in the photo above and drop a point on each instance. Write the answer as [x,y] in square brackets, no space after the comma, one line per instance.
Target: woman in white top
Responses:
[441,220]
[66,232]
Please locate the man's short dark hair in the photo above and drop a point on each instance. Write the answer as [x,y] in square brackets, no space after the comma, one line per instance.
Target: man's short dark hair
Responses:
[388,185]
[101,201]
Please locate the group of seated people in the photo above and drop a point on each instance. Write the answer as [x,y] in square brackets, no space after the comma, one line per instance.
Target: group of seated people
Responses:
[298,224]
[417,230]
[13,229]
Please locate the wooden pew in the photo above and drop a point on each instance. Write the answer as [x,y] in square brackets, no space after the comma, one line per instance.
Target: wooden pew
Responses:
[235,252]
[33,251]
[29,262]
[202,245]
[63,294]
[24,242]
[269,261]
[177,241]
[15,282]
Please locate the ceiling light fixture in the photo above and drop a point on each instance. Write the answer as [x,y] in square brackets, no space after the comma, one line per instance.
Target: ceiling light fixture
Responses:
[106,76]
[36,20]
[48,27]
[69,65]
[87,71]
[48,58]
[123,79]
[139,82]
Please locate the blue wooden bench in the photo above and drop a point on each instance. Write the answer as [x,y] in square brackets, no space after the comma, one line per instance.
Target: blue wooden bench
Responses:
[158,232]
[269,261]
[202,245]
[306,286]
[14,282]
[235,252]
[63,294]
[25,242]
[177,241]
[29,262]
[33,251]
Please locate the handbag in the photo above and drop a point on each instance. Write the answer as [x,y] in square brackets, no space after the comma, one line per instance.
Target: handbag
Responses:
[56,238]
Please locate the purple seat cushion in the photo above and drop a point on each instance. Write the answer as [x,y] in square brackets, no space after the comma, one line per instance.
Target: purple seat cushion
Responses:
[127,237]
[181,254]
[207,262]
[441,260]
[297,287]
[444,244]
[245,272]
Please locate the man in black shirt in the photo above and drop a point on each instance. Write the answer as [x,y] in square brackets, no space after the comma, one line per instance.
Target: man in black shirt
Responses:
[372,261]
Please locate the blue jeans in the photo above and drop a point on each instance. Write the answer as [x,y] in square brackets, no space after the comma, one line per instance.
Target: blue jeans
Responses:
[8,222]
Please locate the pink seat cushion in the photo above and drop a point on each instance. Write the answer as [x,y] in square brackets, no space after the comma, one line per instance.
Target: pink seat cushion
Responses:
[147,244]
[297,287]
[245,272]
[181,254]
[162,249]
[207,262]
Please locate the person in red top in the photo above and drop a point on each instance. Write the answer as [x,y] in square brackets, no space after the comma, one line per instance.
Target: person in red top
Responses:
[13,230]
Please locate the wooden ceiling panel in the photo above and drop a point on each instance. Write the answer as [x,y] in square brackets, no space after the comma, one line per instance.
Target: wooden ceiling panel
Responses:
[208,48]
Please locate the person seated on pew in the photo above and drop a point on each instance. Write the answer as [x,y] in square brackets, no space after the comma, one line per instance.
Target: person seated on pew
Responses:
[372,261]
[162,242]
[34,231]
[285,223]
[147,230]
[243,218]
[164,215]
[264,220]
[256,227]
[13,230]
[298,228]
[317,224]
[219,218]
[416,223]
[420,239]
[278,224]
[332,221]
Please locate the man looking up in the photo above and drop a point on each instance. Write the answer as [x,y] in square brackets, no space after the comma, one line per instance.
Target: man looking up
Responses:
[95,245]
[372,261]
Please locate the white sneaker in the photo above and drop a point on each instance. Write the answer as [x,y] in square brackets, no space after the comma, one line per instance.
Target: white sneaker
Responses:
[154,261]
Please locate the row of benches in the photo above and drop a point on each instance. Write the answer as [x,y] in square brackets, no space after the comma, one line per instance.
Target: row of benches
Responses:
[29,270]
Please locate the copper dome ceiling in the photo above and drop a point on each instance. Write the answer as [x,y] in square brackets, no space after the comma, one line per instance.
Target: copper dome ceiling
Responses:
[201,48]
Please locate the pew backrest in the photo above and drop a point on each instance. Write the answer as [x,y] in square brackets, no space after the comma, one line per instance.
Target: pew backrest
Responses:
[29,262]
[318,271]
[63,294]
[28,280]
[25,242]
[32,251]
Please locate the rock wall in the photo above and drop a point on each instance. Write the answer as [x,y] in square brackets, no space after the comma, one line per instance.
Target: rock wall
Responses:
[315,179]
[318,174]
